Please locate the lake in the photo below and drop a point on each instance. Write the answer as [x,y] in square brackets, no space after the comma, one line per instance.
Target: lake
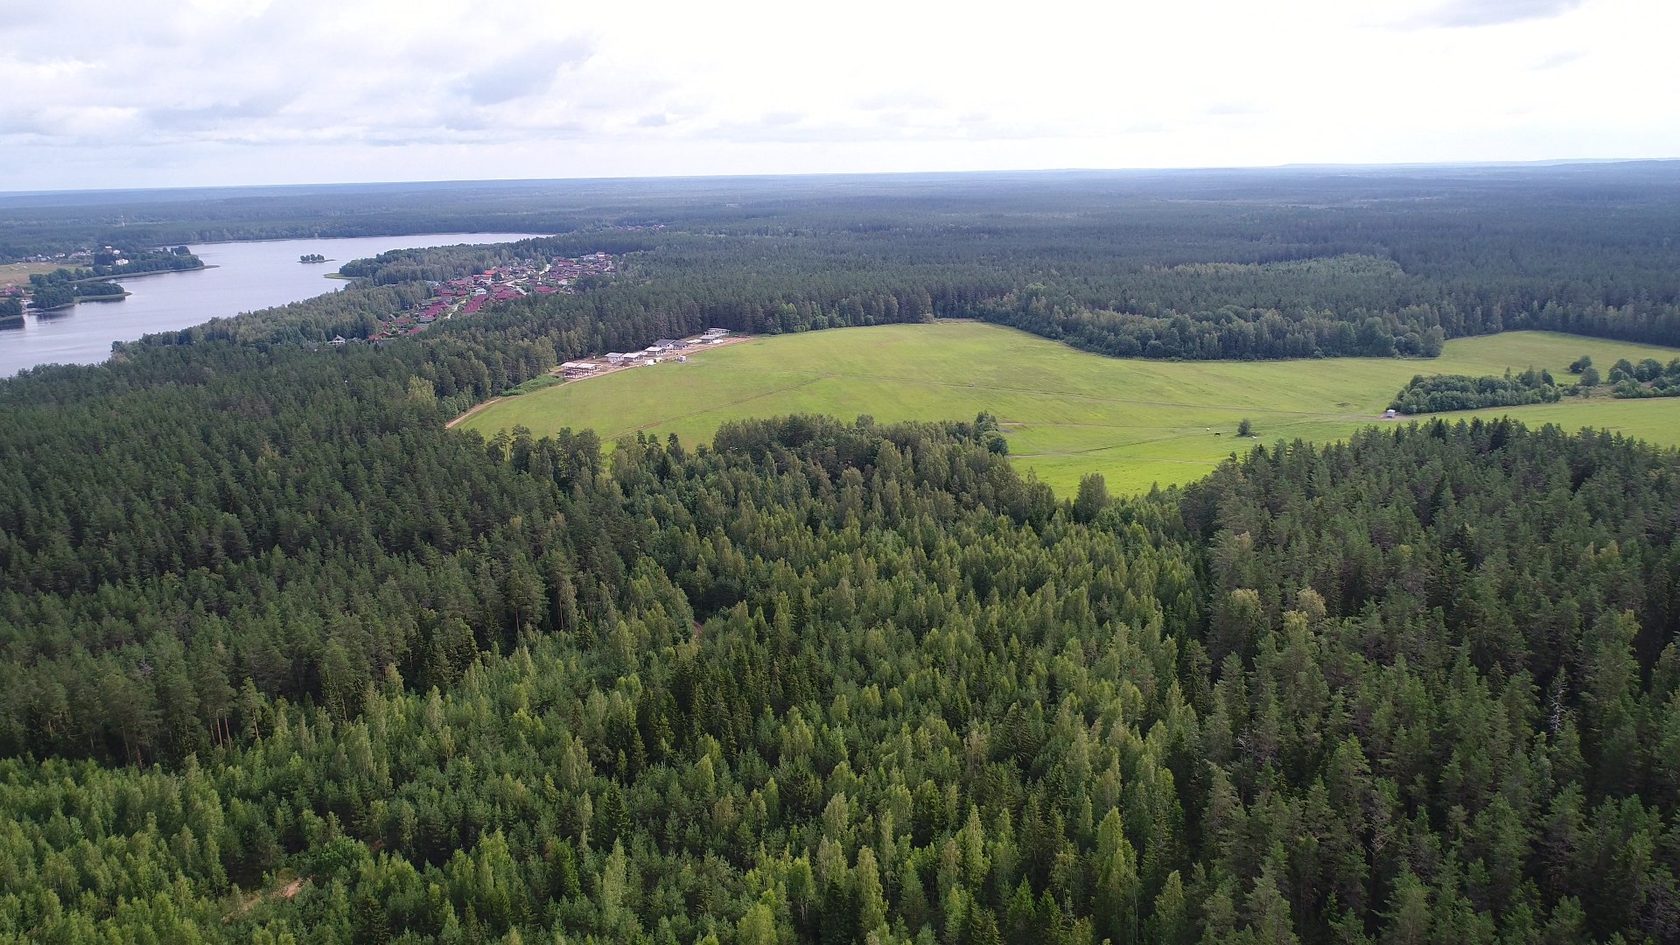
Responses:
[245,277]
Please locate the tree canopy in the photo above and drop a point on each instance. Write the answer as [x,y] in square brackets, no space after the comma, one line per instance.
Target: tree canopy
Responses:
[284,660]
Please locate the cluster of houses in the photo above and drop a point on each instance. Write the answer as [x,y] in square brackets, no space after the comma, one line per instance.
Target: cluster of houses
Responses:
[66,259]
[468,294]
[652,354]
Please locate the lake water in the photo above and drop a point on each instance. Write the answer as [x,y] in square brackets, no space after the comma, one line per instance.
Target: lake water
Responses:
[246,277]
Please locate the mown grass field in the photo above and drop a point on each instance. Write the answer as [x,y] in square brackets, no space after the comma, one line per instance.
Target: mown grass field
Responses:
[1066,412]
[18,273]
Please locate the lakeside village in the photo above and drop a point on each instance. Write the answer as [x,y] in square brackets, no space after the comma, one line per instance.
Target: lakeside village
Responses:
[56,282]
[467,295]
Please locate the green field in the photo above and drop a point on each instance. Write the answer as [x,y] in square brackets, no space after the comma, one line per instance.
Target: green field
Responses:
[18,273]
[1066,412]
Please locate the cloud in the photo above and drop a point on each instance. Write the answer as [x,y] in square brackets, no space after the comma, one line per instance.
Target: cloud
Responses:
[219,114]
[1458,13]
[243,91]
[901,98]
[1558,60]
[528,73]
[24,121]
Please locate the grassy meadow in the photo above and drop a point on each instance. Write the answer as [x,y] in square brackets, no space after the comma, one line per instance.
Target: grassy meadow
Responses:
[1066,412]
[18,273]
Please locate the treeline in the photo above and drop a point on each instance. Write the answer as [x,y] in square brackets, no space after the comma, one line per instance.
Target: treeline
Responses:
[1438,392]
[97,290]
[61,294]
[1354,306]
[435,264]
[822,682]
[135,262]
[44,297]
[1648,378]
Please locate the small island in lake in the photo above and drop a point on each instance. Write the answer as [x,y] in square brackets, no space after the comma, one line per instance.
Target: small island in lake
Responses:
[312,258]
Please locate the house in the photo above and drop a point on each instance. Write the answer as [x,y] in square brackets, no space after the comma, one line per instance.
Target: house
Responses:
[712,333]
[579,368]
[618,357]
[665,344]
[337,341]
[652,349]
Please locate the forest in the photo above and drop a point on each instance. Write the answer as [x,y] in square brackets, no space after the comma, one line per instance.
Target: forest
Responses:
[283,660]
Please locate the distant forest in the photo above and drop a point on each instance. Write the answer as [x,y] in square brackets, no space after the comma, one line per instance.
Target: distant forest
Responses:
[1196,265]
[283,660]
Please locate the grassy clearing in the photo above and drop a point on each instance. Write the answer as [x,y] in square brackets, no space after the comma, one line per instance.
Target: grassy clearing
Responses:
[1067,412]
[18,273]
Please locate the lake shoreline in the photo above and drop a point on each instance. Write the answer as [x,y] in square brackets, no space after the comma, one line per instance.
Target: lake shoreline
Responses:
[141,275]
[235,276]
[380,236]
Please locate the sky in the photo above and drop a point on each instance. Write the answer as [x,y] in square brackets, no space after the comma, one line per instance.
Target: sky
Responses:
[101,94]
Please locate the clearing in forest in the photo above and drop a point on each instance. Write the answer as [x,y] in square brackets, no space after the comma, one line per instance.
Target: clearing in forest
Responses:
[1066,412]
[18,273]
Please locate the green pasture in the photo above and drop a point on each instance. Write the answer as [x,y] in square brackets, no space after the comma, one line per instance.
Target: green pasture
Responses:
[1066,412]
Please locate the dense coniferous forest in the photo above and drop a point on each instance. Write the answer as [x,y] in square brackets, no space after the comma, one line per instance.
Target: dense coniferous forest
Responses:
[284,660]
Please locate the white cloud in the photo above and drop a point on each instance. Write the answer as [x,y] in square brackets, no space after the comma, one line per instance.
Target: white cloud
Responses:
[232,91]
[1493,12]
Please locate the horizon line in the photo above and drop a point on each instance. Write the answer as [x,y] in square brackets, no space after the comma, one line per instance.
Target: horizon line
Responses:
[1291,166]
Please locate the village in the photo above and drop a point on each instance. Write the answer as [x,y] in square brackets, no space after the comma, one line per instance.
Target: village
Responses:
[467,295]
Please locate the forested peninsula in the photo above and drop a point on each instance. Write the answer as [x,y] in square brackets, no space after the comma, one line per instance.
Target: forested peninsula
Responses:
[282,659]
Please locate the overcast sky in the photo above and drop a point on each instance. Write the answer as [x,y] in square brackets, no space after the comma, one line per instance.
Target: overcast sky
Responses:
[97,94]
